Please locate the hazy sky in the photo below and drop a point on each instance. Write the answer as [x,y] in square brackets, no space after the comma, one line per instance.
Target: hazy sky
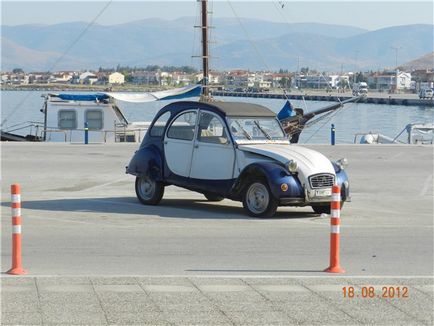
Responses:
[366,14]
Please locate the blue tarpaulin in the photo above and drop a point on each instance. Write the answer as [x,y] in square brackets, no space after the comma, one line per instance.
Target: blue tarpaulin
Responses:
[286,112]
[83,97]
[171,94]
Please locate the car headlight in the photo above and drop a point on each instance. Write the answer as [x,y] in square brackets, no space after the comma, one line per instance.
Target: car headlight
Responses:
[292,166]
[342,163]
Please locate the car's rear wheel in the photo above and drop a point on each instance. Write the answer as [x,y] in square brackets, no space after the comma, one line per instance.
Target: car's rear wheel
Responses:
[258,200]
[324,209]
[213,197]
[148,191]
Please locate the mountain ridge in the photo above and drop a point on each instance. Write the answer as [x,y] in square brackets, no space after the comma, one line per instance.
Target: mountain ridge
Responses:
[173,42]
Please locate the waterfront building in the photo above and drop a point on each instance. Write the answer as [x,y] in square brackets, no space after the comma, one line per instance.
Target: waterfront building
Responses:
[390,80]
[88,78]
[116,78]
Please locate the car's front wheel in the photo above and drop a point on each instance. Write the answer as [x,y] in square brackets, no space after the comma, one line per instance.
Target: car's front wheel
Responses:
[148,191]
[258,200]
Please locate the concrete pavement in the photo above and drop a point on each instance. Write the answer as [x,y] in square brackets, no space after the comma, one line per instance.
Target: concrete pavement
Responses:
[212,301]
[82,226]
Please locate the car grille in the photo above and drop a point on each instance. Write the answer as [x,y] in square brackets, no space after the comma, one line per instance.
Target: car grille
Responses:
[322,180]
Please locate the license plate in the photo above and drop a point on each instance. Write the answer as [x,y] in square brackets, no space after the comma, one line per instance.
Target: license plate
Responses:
[323,192]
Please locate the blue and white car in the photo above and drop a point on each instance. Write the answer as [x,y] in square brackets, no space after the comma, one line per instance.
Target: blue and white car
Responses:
[232,150]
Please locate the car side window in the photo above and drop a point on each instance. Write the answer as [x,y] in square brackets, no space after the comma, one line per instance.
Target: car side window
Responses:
[157,129]
[211,129]
[183,126]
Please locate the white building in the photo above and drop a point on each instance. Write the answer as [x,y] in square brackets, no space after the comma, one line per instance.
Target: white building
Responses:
[88,78]
[116,78]
[392,80]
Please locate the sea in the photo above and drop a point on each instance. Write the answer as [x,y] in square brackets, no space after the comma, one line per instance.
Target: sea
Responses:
[20,107]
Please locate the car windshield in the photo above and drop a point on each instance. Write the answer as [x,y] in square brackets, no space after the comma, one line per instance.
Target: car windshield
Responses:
[256,129]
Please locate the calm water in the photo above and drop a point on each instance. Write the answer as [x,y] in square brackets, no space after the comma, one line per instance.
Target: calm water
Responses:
[22,106]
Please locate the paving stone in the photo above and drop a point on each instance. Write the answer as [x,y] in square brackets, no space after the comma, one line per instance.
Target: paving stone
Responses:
[66,288]
[17,280]
[67,317]
[280,288]
[106,280]
[21,318]
[188,308]
[138,318]
[199,281]
[19,301]
[59,280]
[163,299]
[181,281]
[18,288]
[198,318]
[169,288]
[119,288]
[260,318]
[225,288]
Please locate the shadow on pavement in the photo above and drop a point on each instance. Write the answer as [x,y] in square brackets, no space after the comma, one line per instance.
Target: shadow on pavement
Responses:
[173,208]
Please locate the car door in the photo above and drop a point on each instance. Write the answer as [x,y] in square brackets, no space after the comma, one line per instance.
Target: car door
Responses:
[213,152]
[178,143]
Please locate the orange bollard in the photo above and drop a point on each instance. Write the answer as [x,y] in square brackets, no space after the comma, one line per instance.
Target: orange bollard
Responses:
[17,268]
[335,222]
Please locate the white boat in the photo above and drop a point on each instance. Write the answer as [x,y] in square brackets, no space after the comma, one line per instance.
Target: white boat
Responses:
[96,117]
[417,134]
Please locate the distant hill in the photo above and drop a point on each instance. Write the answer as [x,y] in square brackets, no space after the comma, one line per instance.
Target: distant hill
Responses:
[424,62]
[173,42]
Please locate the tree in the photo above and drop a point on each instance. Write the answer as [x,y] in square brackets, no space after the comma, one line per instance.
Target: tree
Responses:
[129,78]
[360,77]
[343,83]
[18,71]
[304,70]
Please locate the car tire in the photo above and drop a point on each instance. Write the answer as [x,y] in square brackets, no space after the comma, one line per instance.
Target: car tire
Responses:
[213,197]
[324,209]
[258,201]
[148,191]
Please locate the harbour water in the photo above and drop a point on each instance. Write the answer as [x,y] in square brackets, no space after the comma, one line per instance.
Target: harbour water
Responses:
[22,106]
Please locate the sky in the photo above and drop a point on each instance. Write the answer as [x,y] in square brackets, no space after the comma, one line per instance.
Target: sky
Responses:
[366,14]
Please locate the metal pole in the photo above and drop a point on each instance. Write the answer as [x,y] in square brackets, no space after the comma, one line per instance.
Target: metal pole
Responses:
[205,67]
[86,133]
[45,117]
[333,134]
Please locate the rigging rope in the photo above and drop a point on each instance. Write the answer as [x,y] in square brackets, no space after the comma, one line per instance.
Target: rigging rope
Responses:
[253,44]
[330,115]
[79,36]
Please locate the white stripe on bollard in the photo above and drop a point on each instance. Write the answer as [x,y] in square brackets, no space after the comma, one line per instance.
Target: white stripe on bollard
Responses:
[336,213]
[16,229]
[16,198]
[334,228]
[336,197]
[16,211]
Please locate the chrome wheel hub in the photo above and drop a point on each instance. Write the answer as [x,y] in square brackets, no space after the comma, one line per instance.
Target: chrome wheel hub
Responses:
[146,188]
[257,198]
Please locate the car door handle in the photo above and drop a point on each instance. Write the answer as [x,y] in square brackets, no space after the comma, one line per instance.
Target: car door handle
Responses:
[196,146]
[165,143]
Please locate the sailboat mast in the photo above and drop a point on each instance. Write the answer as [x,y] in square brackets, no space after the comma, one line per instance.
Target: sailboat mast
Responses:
[205,57]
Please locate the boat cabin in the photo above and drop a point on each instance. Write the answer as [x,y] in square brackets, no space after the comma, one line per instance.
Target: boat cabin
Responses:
[67,116]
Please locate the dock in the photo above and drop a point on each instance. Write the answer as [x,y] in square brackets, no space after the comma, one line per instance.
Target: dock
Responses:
[376,98]
[96,256]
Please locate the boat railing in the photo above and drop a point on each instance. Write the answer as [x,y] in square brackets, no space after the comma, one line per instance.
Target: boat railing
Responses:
[119,135]
[47,133]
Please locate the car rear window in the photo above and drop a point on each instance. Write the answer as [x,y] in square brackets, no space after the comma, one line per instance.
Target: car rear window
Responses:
[157,129]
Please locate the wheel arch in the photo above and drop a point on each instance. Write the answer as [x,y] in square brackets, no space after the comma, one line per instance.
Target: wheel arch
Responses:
[267,171]
[147,161]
